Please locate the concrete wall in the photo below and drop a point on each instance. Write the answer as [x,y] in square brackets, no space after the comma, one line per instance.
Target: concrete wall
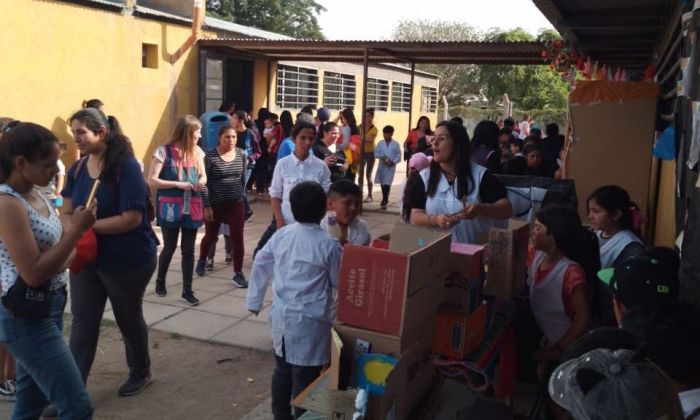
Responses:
[397,119]
[61,54]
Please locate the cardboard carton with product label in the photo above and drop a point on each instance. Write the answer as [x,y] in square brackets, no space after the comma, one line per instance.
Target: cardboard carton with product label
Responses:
[391,291]
[507,260]
[464,280]
[458,333]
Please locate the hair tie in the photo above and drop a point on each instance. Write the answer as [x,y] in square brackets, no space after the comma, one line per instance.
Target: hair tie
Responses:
[638,219]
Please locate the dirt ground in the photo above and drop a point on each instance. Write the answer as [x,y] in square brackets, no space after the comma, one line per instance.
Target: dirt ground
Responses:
[193,379]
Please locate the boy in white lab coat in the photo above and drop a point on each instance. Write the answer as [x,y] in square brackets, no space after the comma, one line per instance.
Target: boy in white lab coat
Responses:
[388,153]
[342,221]
[303,262]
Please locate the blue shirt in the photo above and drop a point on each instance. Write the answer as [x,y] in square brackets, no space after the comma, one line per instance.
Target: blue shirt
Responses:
[286,148]
[117,252]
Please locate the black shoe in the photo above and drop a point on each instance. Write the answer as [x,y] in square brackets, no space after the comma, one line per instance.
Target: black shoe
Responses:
[240,281]
[382,206]
[134,385]
[49,412]
[200,269]
[190,298]
[161,291]
[229,260]
[209,265]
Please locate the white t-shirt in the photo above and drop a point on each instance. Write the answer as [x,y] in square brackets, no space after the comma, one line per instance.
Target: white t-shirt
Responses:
[358,229]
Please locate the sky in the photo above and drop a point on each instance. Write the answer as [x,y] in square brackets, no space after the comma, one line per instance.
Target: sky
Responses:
[376,19]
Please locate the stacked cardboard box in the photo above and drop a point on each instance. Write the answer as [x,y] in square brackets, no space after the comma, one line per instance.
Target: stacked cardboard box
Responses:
[507,260]
[461,320]
[387,301]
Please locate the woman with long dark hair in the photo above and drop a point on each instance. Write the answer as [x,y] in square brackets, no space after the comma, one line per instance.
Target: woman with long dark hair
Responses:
[35,251]
[350,142]
[485,149]
[410,146]
[455,194]
[123,233]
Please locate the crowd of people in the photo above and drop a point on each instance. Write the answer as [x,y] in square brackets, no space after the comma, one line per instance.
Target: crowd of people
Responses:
[76,228]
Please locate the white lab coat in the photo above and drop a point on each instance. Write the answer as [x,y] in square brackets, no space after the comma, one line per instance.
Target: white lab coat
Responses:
[385,173]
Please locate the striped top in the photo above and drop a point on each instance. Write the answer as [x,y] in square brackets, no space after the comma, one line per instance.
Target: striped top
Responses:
[224,179]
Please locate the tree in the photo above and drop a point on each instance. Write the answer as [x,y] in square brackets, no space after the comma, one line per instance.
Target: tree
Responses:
[294,18]
[530,87]
[456,81]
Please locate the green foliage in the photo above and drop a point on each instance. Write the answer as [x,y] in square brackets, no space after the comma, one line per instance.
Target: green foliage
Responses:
[456,81]
[530,87]
[294,18]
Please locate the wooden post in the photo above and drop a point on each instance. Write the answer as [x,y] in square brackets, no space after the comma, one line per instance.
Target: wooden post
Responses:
[364,126]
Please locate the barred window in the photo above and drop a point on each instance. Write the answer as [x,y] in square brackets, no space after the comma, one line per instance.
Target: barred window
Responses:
[296,87]
[338,90]
[400,97]
[428,99]
[377,94]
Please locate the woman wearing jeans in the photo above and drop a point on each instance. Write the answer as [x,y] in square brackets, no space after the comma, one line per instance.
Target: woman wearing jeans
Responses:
[126,245]
[35,249]
[177,171]
[225,166]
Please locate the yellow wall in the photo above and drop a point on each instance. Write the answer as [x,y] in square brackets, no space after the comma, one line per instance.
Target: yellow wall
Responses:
[665,233]
[61,54]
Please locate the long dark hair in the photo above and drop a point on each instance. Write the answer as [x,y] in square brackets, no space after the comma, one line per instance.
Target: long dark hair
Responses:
[118,145]
[576,242]
[486,134]
[462,152]
[406,207]
[287,123]
[25,139]
[349,117]
[428,131]
[612,198]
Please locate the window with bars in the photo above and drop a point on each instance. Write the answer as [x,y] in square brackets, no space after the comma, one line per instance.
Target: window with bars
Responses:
[296,87]
[378,94]
[338,90]
[400,97]
[428,99]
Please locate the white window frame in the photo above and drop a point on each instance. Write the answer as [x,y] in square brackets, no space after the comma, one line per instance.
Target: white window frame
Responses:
[401,97]
[339,90]
[428,99]
[377,94]
[296,87]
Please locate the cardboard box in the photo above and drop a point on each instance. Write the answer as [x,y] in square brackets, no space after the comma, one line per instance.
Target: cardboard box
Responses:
[464,274]
[405,385]
[457,334]
[392,291]
[507,260]
[379,243]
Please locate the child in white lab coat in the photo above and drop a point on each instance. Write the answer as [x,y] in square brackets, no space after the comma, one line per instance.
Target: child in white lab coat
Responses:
[303,262]
[388,153]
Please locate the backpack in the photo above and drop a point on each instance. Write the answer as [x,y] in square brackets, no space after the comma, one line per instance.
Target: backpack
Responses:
[150,209]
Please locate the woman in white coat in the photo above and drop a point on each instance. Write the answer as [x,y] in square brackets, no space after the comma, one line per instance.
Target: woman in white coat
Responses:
[455,194]
[388,153]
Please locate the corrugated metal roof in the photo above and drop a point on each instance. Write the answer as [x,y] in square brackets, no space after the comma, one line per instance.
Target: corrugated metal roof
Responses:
[622,33]
[222,25]
[443,52]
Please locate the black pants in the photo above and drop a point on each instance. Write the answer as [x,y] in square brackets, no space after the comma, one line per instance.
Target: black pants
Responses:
[89,290]
[266,236]
[385,193]
[288,381]
[170,236]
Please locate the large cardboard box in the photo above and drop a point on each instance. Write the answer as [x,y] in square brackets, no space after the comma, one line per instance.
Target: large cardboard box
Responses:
[465,273]
[392,291]
[507,260]
[405,385]
[457,333]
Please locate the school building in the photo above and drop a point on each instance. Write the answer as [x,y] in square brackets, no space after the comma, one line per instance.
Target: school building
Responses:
[142,59]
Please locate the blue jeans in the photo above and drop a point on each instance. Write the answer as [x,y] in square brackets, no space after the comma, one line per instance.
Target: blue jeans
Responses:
[46,370]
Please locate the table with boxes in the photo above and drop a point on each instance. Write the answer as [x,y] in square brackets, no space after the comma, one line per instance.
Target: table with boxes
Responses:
[412,297]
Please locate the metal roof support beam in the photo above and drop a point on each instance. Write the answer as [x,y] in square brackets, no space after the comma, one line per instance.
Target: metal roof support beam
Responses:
[410,108]
[363,134]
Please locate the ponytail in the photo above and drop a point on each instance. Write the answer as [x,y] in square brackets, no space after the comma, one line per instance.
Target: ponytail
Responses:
[119,147]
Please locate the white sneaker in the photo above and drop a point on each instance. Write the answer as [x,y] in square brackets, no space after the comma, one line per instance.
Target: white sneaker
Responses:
[8,389]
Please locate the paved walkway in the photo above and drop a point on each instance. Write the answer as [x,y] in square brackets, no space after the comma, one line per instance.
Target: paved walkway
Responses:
[221,317]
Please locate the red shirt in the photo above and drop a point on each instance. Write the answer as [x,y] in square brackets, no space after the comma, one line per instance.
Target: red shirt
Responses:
[573,277]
